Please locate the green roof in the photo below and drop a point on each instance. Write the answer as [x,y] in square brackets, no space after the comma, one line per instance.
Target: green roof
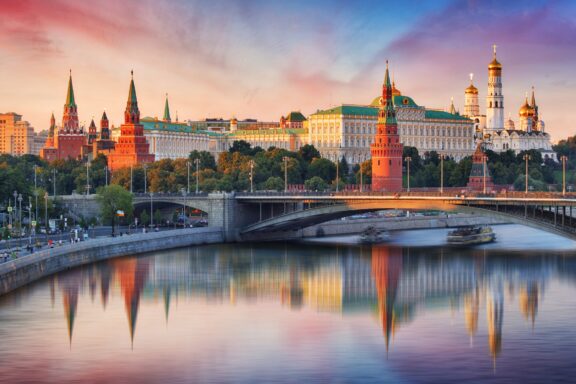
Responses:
[399,101]
[349,110]
[151,124]
[295,117]
[441,115]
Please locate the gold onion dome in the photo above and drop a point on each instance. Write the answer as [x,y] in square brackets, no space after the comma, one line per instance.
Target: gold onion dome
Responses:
[494,64]
[471,88]
[395,91]
[526,109]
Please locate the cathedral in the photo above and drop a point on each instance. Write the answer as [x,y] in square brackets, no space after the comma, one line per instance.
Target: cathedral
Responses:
[499,134]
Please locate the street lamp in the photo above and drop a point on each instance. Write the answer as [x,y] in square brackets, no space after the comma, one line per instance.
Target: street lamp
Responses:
[20,217]
[131,177]
[30,220]
[197,163]
[106,174]
[35,192]
[442,173]
[526,157]
[563,158]
[285,160]
[54,172]
[151,210]
[251,176]
[145,178]
[484,159]
[188,168]
[46,214]
[361,179]
[408,159]
[87,178]
[337,172]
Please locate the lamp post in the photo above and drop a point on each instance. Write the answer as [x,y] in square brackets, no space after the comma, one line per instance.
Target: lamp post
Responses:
[285,160]
[408,159]
[188,185]
[20,218]
[46,215]
[197,163]
[526,157]
[35,192]
[87,178]
[106,174]
[54,172]
[563,159]
[361,179]
[30,220]
[131,177]
[251,176]
[337,172]
[484,159]
[151,210]
[145,177]
[441,173]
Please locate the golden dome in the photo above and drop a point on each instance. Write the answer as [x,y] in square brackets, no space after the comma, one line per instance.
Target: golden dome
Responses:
[471,89]
[395,91]
[526,110]
[495,64]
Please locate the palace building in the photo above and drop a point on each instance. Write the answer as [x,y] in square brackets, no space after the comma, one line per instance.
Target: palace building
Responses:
[348,130]
[499,134]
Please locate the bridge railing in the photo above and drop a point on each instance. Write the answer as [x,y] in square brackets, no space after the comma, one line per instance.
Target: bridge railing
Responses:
[171,194]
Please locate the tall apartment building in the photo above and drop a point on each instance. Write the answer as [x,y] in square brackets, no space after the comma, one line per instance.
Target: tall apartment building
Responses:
[16,135]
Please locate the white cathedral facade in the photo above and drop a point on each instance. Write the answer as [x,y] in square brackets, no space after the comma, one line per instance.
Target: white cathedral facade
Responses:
[500,135]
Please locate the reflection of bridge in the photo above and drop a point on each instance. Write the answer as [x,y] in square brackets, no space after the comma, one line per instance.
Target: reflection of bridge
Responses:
[246,215]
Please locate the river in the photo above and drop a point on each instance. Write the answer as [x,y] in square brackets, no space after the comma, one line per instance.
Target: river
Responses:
[321,310]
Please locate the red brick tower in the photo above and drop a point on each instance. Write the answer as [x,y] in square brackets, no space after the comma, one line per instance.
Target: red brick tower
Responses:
[386,149]
[70,138]
[131,148]
[480,174]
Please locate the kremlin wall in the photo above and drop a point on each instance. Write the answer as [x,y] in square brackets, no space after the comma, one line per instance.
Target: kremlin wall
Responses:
[377,131]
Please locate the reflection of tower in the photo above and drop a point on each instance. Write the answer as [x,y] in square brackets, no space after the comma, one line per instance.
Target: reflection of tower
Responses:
[105,279]
[471,309]
[386,269]
[529,301]
[70,285]
[132,273]
[166,302]
[495,315]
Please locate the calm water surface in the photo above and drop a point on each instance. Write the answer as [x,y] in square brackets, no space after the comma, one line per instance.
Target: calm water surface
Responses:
[327,310]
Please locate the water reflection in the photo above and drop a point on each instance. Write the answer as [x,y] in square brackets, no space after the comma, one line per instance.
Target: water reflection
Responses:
[396,287]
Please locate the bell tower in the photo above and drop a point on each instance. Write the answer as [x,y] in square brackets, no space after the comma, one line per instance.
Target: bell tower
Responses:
[494,99]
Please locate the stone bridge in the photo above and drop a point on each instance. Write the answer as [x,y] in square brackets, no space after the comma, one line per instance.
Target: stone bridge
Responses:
[247,215]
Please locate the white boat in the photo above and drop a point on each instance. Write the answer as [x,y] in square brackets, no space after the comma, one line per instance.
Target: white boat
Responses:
[471,236]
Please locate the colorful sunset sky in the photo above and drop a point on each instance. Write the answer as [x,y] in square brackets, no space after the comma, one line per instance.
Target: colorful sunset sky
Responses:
[261,58]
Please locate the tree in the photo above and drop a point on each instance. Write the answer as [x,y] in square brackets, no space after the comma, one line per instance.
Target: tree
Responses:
[241,146]
[112,199]
[322,168]
[308,153]
[274,183]
[315,184]
[144,218]
[207,161]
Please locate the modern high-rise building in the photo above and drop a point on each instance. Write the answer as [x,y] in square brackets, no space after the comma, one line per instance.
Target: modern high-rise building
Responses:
[16,135]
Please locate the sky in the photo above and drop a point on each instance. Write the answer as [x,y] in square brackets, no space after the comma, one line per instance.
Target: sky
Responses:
[264,58]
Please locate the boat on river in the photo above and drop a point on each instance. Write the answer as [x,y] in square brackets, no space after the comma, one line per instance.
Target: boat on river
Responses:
[373,235]
[471,235]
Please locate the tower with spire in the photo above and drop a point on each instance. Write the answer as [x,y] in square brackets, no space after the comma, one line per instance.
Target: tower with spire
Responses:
[69,140]
[166,111]
[103,144]
[131,148]
[386,149]
[495,98]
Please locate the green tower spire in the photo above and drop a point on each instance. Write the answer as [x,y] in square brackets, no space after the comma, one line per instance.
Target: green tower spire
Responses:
[166,110]
[70,96]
